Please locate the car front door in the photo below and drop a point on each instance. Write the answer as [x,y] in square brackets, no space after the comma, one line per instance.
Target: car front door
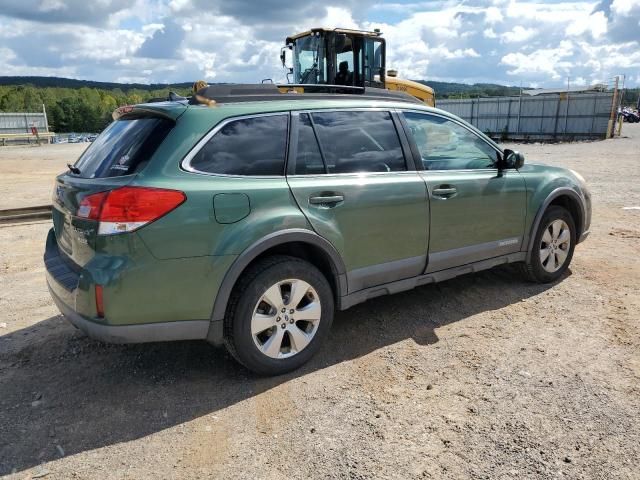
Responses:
[477,210]
[348,173]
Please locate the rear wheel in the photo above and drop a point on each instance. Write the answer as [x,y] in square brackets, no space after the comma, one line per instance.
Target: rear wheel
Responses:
[279,315]
[553,246]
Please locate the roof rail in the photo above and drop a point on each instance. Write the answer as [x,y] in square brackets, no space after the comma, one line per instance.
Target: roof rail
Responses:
[172,97]
[231,93]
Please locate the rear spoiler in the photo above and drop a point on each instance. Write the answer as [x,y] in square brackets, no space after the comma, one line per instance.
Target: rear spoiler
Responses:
[168,112]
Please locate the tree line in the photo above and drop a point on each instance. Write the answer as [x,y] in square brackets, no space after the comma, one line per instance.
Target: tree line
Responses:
[84,106]
[76,109]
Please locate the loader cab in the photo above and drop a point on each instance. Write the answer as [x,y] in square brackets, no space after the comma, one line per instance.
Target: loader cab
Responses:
[349,58]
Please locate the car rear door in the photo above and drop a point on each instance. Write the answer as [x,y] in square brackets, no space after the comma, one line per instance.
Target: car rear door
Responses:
[477,211]
[348,173]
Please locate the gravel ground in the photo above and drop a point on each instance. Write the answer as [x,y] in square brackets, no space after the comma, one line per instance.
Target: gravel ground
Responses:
[28,172]
[483,376]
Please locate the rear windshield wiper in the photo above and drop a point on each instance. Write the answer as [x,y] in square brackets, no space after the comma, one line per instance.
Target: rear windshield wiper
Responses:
[73,169]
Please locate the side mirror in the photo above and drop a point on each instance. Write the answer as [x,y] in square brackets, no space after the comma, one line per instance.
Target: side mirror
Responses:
[512,159]
[284,55]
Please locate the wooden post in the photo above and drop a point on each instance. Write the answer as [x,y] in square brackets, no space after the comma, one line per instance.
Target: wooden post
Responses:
[614,108]
[46,121]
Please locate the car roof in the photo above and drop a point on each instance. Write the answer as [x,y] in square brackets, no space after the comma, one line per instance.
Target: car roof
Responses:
[302,102]
[272,106]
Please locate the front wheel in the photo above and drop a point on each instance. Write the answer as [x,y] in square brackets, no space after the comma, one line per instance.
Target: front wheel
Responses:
[280,313]
[553,246]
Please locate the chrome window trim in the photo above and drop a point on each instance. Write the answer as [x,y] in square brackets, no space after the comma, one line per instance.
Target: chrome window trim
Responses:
[357,174]
[344,109]
[185,164]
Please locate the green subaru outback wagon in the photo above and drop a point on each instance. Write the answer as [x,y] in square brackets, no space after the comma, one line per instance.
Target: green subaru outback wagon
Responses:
[250,222]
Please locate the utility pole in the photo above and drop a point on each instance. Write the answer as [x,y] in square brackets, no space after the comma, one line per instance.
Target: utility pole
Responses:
[624,78]
[614,108]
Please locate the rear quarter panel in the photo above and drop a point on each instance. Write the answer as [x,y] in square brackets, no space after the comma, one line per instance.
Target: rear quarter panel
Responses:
[192,229]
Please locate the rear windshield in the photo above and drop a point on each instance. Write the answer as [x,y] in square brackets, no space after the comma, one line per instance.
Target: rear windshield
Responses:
[124,147]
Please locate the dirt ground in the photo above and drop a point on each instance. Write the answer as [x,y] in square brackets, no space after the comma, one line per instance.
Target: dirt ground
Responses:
[483,376]
[27,172]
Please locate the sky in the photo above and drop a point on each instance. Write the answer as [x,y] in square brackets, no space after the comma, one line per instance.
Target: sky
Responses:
[167,41]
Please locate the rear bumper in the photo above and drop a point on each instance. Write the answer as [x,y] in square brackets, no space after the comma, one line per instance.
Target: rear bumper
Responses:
[72,290]
[150,332]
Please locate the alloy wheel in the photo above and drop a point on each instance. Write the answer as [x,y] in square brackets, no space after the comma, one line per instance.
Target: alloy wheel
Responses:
[554,245]
[286,318]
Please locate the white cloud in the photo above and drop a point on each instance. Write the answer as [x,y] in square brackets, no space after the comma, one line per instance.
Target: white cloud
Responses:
[550,61]
[337,17]
[52,5]
[595,24]
[493,15]
[578,82]
[624,7]
[489,33]
[518,34]
[481,41]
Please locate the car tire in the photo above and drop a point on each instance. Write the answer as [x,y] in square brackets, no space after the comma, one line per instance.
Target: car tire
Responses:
[264,330]
[553,246]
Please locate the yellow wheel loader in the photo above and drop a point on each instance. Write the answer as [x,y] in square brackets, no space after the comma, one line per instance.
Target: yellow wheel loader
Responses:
[343,60]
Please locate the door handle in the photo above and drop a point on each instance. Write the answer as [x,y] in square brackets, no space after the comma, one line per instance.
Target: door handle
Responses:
[326,199]
[444,191]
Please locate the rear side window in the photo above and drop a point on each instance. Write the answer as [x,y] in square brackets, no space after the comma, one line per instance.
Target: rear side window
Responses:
[123,148]
[248,146]
[360,141]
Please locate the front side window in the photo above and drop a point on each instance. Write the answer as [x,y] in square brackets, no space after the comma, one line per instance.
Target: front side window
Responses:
[445,145]
[248,146]
[359,141]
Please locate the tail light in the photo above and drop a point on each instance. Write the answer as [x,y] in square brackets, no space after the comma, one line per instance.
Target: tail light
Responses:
[128,208]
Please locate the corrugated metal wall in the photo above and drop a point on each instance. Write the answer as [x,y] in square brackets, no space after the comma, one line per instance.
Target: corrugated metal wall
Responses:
[22,122]
[575,116]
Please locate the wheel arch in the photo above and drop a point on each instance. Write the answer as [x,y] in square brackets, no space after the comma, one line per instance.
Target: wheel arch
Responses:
[564,197]
[299,243]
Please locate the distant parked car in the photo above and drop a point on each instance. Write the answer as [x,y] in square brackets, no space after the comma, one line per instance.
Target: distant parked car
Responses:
[92,137]
[248,224]
[629,115]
